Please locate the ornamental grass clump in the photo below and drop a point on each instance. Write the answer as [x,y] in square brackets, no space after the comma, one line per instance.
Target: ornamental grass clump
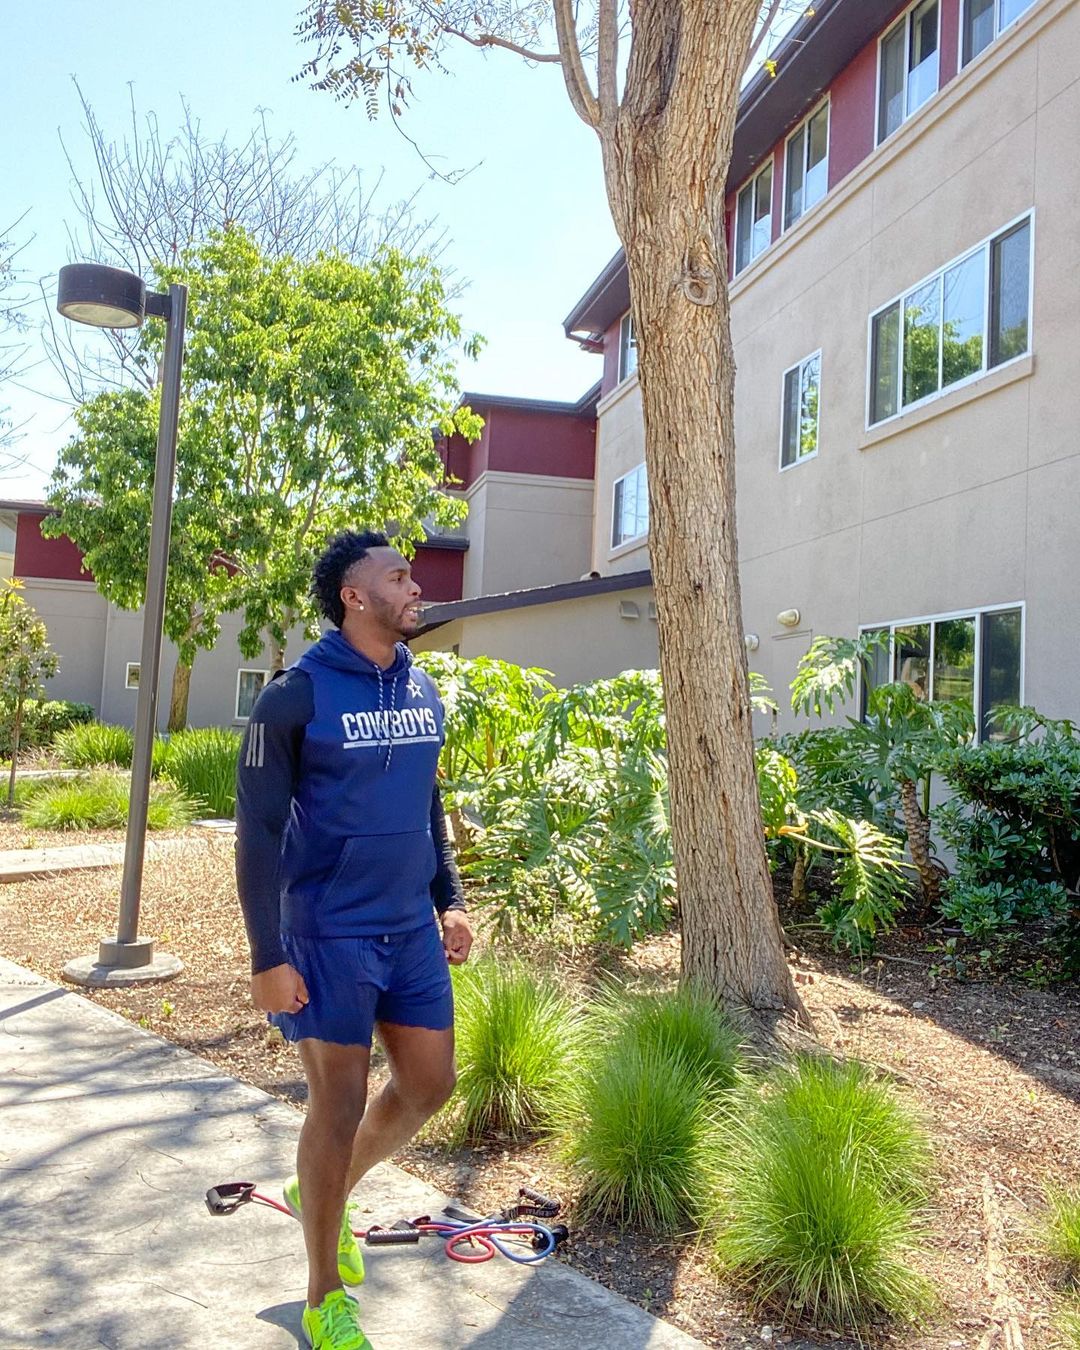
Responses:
[202,764]
[100,802]
[1061,1232]
[91,744]
[641,1126]
[517,1038]
[826,1177]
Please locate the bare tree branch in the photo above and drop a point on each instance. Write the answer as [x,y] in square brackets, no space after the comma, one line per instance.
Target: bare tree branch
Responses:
[490,40]
[577,81]
[763,31]
[607,61]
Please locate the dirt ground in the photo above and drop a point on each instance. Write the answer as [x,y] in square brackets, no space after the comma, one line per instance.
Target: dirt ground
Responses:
[993,1066]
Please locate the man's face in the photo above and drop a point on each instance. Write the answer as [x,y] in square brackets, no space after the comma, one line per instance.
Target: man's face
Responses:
[383,583]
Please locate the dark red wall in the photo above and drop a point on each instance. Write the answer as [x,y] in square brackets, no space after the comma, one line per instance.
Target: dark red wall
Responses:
[523,440]
[950,41]
[852,114]
[439,572]
[610,377]
[463,461]
[38,557]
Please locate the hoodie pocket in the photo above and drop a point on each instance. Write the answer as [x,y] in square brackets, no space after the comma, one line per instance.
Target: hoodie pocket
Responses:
[377,869]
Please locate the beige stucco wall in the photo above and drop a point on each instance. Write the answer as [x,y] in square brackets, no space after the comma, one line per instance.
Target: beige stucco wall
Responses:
[577,640]
[620,447]
[75,616]
[526,530]
[970,500]
[95,641]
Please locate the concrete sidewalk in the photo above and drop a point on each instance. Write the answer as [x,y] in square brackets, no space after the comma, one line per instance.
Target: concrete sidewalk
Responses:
[31,864]
[109,1140]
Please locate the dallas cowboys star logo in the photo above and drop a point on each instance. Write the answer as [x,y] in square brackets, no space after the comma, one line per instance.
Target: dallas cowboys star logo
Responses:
[415,691]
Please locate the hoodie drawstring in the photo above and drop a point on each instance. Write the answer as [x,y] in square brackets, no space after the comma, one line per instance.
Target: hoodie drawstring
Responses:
[390,719]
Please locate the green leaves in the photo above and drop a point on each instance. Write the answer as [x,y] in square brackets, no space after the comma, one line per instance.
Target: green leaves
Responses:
[311,391]
[559,797]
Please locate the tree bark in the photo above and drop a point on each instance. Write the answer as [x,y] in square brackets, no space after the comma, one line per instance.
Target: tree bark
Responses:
[918,835]
[665,160]
[16,736]
[178,700]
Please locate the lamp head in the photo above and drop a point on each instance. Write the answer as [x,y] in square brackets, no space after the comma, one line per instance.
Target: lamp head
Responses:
[105,297]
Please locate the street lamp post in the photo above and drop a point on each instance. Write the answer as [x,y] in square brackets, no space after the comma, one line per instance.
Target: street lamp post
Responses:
[107,297]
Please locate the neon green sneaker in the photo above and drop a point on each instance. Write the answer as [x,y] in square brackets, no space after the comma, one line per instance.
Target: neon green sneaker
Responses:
[335,1323]
[350,1262]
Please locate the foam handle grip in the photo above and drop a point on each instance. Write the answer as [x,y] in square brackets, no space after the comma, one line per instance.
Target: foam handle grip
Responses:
[391,1237]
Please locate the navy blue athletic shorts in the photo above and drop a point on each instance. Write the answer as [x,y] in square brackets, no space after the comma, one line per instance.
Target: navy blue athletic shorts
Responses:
[354,982]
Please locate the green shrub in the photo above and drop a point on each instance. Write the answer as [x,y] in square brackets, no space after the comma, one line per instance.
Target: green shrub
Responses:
[517,1041]
[1014,826]
[26,789]
[824,1178]
[42,720]
[202,764]
[95,743]
[641,1133]
[640,1121]
[1062,1230]
[100,802]
[685,1026]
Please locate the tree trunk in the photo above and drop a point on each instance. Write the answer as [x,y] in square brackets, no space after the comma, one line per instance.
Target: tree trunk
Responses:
[16,736]
[918,836]
[277,656]
[666,162]
[178,701]
[798,876]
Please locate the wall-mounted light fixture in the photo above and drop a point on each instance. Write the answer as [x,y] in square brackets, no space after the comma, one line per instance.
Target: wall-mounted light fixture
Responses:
[753,642]
[788,618]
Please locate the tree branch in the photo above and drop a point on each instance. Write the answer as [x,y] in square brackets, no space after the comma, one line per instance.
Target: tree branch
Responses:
[573,68]
[774,9]
[607,60]
[490,40]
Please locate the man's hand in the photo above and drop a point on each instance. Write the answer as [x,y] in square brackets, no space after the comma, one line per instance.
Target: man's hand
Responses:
[281,989]
[457,936]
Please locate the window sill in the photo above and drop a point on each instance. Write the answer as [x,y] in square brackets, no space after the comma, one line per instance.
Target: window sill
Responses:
[620,391]
[627,547]
[1018,369]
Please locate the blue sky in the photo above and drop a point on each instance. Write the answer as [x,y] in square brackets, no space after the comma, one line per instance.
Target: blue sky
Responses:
[528,229]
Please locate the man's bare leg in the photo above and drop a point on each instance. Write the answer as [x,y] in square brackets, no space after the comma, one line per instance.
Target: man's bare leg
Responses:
[421,1081]
[337,1091]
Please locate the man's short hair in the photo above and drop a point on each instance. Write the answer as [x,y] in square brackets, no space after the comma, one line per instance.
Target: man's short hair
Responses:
[345,550]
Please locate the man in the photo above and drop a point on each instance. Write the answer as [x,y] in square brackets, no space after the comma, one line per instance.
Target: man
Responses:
[342,862]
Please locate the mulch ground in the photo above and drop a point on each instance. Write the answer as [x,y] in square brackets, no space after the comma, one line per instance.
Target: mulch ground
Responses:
[993,1066]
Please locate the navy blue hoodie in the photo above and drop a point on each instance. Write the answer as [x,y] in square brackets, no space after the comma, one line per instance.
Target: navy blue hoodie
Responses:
[339,827]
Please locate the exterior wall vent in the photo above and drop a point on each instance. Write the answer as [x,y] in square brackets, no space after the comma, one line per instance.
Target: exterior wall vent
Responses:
[628,610]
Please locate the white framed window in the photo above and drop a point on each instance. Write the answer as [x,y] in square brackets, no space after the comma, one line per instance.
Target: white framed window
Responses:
[954,326]
[627,348]
[801,412]
[908,65]
[806,165]
[753,217]
[982,21]
[630,507]
[973,657]
[131,675]
[249,684]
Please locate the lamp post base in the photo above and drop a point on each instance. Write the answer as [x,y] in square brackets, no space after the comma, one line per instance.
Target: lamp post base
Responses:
[123,963]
